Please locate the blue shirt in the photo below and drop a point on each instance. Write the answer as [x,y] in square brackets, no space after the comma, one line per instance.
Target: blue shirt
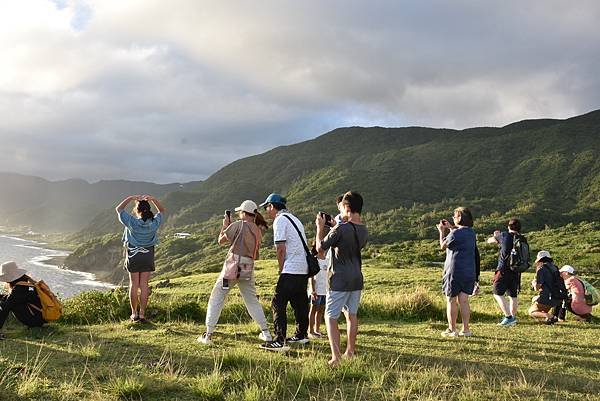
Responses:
[139,232]
[460,255]
[506,245]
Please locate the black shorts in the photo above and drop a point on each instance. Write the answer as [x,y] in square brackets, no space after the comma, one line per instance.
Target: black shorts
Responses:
[506,283]
[139,259]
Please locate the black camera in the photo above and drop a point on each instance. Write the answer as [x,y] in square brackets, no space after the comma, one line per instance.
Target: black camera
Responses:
[328,219]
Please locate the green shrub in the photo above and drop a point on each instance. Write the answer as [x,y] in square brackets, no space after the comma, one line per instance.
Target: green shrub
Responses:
[96,307]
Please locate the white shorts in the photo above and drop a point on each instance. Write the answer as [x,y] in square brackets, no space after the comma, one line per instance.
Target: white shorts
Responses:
[342,300]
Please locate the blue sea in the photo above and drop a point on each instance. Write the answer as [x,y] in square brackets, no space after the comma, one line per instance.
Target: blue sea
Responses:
[32,256]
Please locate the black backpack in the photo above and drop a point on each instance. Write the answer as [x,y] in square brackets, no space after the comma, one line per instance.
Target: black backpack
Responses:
[519,260]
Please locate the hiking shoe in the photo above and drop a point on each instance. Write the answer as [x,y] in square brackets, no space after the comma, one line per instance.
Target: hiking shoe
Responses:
[265,336]
[205,338]
[297,340]
[275,346]
[449,333]
[465,333]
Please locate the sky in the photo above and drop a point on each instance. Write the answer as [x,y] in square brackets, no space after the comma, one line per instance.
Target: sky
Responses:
[173,91]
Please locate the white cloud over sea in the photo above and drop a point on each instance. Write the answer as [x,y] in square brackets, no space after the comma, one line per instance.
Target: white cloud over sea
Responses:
[172,91]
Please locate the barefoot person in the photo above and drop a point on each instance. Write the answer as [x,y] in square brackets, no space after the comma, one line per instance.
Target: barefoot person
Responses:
[22,300]
[459,269]
[244,236]
[140,237]
[345,272]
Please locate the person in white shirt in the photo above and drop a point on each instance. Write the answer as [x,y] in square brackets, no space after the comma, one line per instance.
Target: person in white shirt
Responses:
[288,234]
[317,292]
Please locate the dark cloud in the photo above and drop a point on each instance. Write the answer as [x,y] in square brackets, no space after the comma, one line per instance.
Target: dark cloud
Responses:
[145,91]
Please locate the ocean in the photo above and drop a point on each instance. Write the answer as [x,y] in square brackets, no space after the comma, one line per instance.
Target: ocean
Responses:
[32,256]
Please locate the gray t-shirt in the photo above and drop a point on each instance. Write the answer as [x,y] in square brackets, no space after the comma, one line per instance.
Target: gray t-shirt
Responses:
[345,269]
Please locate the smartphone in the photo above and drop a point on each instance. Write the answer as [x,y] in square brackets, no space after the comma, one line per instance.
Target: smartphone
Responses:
[328,219]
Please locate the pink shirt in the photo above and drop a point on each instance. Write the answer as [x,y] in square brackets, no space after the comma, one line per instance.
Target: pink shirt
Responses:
[575,288]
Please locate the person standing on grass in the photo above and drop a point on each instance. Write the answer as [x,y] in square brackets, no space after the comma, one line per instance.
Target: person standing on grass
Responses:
[459,278]
[22,300]
[317,291]
[244,236]
[288,235]
[506,281]
[140,237]
[547,305]
[345,273]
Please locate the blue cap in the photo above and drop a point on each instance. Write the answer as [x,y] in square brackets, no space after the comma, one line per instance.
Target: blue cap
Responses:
[274,198]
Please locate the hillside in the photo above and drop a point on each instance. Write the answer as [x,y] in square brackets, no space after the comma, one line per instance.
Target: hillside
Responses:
[547,172]
[64,206]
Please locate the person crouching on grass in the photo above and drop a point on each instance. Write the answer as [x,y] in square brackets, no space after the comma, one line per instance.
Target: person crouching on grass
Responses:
[548,304]
[345,275]
[22,300]
[140,237]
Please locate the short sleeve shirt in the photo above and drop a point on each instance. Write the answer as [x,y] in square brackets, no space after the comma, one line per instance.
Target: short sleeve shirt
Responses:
[345,269]
[285,233]
[245,245]
[139,232]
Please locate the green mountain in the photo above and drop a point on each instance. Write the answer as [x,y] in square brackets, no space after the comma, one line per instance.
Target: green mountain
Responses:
[545,171]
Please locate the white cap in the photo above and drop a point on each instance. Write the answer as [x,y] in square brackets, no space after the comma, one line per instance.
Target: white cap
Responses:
[247,206]
[567,268]
[542,254]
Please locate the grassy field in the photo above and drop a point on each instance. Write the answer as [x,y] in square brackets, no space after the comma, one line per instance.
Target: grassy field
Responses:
[400,356]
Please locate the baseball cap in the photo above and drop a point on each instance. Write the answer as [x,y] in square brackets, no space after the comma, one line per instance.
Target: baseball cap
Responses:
[274,198]
[247,206]
[541,255]
[567,268]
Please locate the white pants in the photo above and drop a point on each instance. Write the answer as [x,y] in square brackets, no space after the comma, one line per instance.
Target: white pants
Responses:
[217,300]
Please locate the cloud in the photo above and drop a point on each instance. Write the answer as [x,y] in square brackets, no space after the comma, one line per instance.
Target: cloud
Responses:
[173,91]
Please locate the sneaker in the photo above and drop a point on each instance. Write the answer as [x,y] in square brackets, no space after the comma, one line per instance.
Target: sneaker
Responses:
[205,338]
[551,320]
[297,340]
[465,333]
[265,336]
[449,333]
[504,321]
[510,322]
[315,335]
[275,346]
[2,337]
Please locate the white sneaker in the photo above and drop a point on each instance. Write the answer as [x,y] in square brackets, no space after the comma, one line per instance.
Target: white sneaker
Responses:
[205,338]
[449,333]
[265,336]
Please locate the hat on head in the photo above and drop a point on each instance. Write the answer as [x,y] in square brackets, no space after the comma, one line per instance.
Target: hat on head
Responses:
[274,198]
[9,271]
[247,206]
[541,255]
[567,268]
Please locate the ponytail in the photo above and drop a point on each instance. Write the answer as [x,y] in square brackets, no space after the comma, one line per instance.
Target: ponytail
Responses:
[260,221]
[144,211]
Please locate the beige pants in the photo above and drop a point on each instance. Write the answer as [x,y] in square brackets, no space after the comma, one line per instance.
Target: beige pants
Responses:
[217,300]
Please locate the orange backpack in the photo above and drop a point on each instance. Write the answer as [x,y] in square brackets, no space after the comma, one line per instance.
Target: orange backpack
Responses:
[51,306]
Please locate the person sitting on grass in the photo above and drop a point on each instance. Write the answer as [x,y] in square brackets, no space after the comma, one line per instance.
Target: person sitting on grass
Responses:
[575,303]
[317,290]
[546,306]
[22,300]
